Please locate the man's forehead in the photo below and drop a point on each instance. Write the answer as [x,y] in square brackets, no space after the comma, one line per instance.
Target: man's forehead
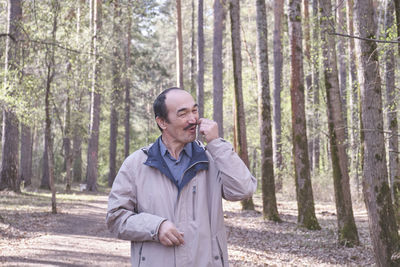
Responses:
[179,99]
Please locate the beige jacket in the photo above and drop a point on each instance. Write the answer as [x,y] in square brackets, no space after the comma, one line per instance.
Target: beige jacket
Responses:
[143,196]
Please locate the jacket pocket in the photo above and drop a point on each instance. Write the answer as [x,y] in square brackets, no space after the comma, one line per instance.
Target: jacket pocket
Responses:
[194,196]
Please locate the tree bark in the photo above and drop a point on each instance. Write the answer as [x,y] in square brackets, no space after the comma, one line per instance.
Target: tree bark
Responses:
[218,67]
[391,115]
[278,66]
[377,197]
[179,45]
[67,145]
[270,209]
[305,199]
[200,59]
[10,133]
[93,147]
[240,129]
[347,231]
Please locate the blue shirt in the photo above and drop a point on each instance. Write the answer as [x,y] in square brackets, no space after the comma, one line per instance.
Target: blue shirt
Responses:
[178,166]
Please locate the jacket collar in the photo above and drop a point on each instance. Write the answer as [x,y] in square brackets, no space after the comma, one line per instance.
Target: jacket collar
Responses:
[199,161]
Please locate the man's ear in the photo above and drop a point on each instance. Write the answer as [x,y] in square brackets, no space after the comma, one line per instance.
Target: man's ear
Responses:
[161,123]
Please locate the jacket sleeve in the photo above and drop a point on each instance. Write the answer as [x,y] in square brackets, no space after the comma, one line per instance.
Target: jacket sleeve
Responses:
[123,219]
[237,181]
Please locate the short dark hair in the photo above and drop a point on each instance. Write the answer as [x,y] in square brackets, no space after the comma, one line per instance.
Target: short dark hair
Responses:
[159,107]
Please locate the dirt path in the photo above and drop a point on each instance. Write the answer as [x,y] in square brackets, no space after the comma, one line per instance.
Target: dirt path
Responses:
[77,236]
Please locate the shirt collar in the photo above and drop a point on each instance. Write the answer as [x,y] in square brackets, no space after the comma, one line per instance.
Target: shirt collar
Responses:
[187,148]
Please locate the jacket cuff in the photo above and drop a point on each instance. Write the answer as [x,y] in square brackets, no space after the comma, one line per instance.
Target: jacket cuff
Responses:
[155,235]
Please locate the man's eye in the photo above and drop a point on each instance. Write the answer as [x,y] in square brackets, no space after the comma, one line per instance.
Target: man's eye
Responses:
[181,115]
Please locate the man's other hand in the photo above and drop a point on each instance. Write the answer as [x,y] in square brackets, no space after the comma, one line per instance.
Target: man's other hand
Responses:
[170,236]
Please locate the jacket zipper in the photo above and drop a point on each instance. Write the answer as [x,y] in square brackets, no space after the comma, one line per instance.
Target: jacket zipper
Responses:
[194,203]
[140,254]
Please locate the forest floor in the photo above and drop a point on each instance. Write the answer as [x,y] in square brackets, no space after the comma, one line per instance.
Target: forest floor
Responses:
[77,236]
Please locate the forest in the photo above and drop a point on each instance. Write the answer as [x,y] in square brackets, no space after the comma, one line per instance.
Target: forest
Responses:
[305,90]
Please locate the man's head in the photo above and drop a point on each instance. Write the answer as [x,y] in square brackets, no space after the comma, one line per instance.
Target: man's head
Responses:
[176,115]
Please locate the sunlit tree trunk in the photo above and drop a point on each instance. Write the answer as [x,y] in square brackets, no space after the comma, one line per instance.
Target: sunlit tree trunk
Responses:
[341,47]
[179,45]
[305,199]
[193,52]
[218,68]
[200,59]
[10,133]
[347,231]
[391,109]
[315,54]
[93,146]
[240,124]
[377,197]
[354,103]
[278,66]
[67,144]
[270,209]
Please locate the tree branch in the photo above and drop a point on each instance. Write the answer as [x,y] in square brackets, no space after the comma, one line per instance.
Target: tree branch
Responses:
[9,35]
[364,39]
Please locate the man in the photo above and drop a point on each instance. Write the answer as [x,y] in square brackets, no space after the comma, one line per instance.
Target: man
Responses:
[167,198]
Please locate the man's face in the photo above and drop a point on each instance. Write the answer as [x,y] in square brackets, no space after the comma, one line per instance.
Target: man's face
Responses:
[182,113]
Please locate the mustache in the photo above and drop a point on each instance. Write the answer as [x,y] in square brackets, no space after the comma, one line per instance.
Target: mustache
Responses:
[190,126]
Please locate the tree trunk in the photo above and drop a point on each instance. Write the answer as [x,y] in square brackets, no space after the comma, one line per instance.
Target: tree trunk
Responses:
[341,14]
[354,103]
[397,8]
[67,145]
[347,231]
[9,144]
[127,84]
[115,95]
[77,154]
[270,209]
[25,173]
[305,199]
[200,59]
[179,45]
[315,89]
[278,66]
[93,147]
[240,123]
[193,53]
[218,67]
[391,107]
[377,197]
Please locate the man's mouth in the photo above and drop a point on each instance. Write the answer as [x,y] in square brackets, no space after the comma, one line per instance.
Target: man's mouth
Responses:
[190,126]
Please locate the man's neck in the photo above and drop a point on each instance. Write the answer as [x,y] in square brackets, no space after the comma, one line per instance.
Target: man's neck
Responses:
[173,148]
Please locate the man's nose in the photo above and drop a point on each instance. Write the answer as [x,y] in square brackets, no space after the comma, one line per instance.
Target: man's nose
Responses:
[193,118]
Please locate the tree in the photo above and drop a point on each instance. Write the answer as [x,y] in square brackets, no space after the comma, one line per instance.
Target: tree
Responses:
[192,53]
[315,88]
[127,82]
[218,68]
[115,97]
[93,146]
[377,197]
[240,124]
[10,133]
[270,209]
[354,110]
[179,45]
[278,66]
[200,59]
[391,107]
[304,194]
[347,231]
[25,172]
